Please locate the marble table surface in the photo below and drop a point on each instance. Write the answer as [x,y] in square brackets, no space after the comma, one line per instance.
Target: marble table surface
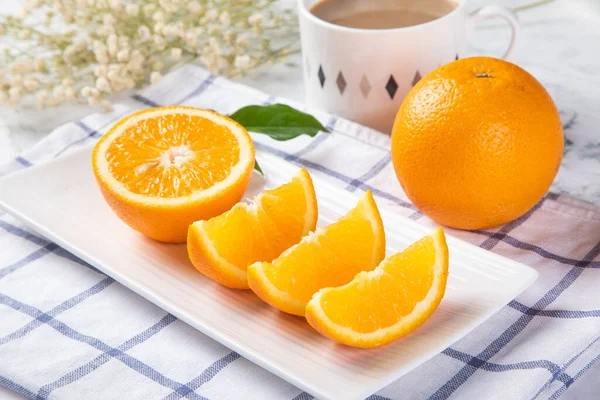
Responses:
[559,44]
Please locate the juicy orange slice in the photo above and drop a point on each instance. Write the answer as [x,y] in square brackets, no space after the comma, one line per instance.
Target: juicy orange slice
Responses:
[331,256]
[223,247]
[384,304]
[163,168]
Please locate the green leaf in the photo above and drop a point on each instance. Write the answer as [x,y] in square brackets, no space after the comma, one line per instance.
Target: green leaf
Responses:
[258,168]
[279,121]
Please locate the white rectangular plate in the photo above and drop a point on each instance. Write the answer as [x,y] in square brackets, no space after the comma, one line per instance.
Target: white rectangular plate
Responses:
[60,200]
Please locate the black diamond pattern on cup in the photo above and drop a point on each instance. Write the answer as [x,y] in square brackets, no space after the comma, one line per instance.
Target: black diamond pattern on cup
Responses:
[321,76]
[391,86]
[364,86]
[417,78]
[341,82]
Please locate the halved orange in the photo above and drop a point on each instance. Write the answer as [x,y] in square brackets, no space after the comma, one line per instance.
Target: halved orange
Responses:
[163,168]
[223,247]
[330,256]
[384,304]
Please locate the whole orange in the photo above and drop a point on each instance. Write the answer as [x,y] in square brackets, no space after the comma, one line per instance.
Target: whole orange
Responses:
[477,143]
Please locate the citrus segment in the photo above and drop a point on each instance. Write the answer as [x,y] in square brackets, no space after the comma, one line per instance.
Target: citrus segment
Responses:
[163,168]
[331,256]
[223,247]
[382,305]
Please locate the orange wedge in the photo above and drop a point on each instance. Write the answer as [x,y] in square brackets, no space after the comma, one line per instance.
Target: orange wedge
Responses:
[331,256]
[223,247]
[384,304]
[163,168]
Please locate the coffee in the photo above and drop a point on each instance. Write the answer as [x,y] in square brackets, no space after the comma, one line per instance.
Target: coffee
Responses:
[381,14]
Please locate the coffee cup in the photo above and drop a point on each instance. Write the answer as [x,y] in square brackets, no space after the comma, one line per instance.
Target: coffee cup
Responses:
[364,74]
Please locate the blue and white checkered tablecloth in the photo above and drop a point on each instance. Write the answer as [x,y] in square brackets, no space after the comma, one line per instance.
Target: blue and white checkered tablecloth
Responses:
[69,332]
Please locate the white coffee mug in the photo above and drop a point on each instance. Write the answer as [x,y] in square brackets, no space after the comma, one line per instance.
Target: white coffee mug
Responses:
[364,74]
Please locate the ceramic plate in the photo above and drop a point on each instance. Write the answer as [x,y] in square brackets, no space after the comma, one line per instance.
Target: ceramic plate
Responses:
[61,201]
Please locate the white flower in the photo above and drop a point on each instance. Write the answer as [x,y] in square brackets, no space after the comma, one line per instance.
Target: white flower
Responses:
[169,30]
[113,75]
[41,98]
[70,93]
[124,42]
[242,62]
[243,40]
[213,46]
[160,42]
[106,30]
[118,68]
[132,10]
[101,56]
[149,9]
[100,70]
[129,83]
[175,54]
[118,84]
[256,19]
[31,85]
[40,66]
[14,94]
[137,56]
[115,5]
[70,54]
[103,85]
[58,93]
[33,3]
[93,101]
[20,67]
[80,44]
[123,55]
[17,80]
[168,5]
[106,106]
[89,92]
[191,40]
[25,34]
[108,19]
[158,16]
[194,7]
[225,18]
[135,67]
[112,44]
[212,14]
[159,28]
[155,77]
[68,82]
[144,33]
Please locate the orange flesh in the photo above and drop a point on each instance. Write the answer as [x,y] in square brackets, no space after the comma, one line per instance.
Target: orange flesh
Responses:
[276,222]
[172,155]
[325,262]
[380,301]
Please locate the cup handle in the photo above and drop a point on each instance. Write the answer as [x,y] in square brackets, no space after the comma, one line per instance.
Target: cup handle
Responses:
[506,14]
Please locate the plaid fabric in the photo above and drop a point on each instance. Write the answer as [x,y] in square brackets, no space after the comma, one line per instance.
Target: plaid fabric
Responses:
[69,332]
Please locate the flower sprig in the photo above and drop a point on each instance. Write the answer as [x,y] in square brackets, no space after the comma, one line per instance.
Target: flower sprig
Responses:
[68,50]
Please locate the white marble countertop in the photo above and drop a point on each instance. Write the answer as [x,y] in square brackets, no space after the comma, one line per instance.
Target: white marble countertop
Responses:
[559,45]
